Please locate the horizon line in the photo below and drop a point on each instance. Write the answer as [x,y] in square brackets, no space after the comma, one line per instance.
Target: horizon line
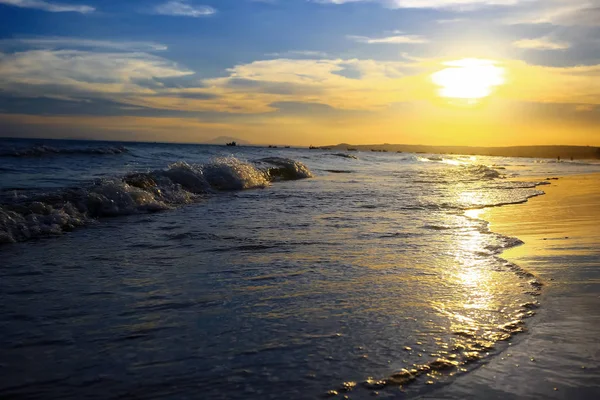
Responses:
[249,144]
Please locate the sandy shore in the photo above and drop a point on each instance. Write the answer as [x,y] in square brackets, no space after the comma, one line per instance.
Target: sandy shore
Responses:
[559,356]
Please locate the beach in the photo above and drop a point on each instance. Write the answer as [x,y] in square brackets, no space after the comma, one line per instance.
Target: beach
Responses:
[559,356]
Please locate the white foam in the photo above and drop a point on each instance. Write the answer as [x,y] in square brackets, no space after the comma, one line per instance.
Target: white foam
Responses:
[229,173]
[27,217]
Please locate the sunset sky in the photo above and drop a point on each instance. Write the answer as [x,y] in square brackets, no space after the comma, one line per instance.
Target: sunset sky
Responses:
[300,72]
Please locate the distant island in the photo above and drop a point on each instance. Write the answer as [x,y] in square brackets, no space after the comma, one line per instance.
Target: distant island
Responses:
[564,152]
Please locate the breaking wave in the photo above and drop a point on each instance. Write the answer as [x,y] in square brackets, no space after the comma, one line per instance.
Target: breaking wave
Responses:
[27,216]
[285,169]
[43,150]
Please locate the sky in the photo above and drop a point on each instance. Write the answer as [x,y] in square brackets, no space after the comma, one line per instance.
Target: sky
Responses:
[301,72]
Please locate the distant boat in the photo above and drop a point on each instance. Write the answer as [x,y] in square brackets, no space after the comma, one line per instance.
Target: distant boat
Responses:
[231,144]
[311,147]
[272,147]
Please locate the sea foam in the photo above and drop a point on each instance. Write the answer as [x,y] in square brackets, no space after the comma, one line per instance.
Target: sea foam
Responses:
[28,216]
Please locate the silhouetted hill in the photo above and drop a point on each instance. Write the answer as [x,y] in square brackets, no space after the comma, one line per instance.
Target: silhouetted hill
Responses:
[565,152]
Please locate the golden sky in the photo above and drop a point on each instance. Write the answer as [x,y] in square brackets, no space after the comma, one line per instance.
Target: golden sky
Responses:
[453,72]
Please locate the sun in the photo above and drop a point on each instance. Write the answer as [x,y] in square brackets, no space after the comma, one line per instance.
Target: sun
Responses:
[469,79]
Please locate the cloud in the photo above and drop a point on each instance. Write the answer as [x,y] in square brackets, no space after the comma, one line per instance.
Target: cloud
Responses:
[257,87]
[114,127]
[435,4]
[58,42]
[183,9]
[80,74]
[47,6]
[451,21]
[586,16]
[450,3]
[541,44]
[298,54]
[557,12]
[396,39]
[141,79]
[304,95]
[371,85]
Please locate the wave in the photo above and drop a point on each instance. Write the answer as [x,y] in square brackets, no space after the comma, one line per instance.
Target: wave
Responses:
[285,168]
[438,227]
[29,216]
[522,185]
[345,155]
[504,243]
[481,171]
[435,158]
[457,173]
[43,150]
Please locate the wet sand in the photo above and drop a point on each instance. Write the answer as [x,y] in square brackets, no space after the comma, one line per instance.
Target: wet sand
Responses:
[559,356]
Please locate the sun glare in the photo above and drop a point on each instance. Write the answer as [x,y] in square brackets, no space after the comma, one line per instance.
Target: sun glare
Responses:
[469,79]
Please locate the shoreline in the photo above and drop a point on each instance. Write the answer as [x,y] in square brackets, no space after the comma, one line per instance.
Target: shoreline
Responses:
[559,357]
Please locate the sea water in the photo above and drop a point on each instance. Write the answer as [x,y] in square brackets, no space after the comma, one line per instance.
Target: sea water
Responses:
[208,272]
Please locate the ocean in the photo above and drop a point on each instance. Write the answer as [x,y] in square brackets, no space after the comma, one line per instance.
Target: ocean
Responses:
[176,271]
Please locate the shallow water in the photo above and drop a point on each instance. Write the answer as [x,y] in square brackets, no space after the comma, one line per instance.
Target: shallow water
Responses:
[293,288]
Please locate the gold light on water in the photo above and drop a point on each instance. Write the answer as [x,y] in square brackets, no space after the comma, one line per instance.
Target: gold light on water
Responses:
[469,79]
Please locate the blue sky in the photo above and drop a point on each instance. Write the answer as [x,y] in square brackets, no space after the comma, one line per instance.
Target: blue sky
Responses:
[293,71]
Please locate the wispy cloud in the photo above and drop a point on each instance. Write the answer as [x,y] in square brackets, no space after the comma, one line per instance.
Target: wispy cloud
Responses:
[183,9]
[542,43]
[557,12]
[397,38]
[298,54]
[60,42]
[587,16]
[48,6]
[78,74]
[439,4]
[451,21]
